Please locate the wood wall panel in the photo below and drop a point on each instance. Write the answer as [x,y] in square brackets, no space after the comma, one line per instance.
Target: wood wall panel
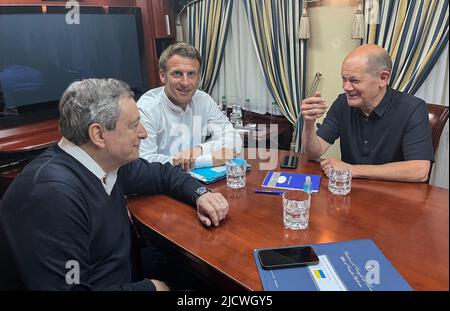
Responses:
[150,47]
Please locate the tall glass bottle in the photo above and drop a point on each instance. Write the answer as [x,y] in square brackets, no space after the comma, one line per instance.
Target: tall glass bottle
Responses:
[273,111]
[223,103]
[233,115]
[238,116]
[248,110]
[224,106]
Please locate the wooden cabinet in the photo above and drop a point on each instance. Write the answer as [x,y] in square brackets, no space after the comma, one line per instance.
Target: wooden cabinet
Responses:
[159,32]
[163,19]
[284,129]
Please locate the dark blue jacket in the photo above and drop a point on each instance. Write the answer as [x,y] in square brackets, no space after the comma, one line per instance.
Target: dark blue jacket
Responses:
[56,212]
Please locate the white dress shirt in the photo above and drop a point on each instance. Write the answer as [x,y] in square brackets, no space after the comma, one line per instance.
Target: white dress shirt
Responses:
[171,129]
[108,180]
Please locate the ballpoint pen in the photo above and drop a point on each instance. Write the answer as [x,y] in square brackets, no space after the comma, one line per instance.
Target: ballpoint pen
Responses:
[276,192]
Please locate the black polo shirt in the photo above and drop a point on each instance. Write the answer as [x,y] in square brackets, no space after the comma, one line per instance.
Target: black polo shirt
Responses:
[397,130]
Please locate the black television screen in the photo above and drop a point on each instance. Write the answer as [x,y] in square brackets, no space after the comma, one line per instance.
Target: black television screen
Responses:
[41,53]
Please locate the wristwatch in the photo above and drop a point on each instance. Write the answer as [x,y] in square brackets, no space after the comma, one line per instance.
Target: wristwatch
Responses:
[199,192]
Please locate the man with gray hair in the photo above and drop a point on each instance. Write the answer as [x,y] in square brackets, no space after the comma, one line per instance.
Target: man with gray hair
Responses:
[179,118]
[384,134]
[65,216]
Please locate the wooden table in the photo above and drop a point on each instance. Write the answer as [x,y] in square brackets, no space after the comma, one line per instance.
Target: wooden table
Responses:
[408,222]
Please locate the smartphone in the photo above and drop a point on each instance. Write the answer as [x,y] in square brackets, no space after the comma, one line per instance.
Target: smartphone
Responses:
[287,257]
[289,162]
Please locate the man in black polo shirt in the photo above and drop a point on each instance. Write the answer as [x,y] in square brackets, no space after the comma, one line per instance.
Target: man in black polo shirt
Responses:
[384,134]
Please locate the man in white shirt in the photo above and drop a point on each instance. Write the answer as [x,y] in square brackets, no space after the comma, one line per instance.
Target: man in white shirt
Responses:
[179,118]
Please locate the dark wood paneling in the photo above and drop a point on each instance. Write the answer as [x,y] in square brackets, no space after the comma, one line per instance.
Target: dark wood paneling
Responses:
[163,19]
[149,38]
[155,33]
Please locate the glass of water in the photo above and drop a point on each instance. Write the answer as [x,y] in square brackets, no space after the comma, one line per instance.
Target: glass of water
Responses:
[296,204]
[340,181]
[236,169]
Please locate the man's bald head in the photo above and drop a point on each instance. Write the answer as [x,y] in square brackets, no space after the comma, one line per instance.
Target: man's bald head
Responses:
[376,58]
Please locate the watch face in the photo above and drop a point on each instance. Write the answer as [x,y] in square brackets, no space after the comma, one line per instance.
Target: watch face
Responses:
[201,190]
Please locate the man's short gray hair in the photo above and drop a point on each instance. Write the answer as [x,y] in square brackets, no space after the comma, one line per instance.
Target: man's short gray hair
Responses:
[377,62]
[179,48]
[90,101]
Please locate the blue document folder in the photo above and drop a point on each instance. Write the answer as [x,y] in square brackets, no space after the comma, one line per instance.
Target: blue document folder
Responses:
[293,181]
[357,265]
[211,174]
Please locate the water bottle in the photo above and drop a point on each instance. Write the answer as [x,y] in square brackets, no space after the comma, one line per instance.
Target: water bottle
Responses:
[233,115]
[248,110]
[272,111]
[223,103]
[239,112]
[238,116]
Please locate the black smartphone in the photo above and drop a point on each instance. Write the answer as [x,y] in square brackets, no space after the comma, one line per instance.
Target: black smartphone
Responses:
[289,162]
[287,257]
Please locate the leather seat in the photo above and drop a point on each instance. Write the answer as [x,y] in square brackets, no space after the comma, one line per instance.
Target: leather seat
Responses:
[438,116]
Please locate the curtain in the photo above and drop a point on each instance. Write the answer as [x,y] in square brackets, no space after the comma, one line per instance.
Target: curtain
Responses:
[240,76]
[281,55]
[435,90]
[208,24]
[414,32]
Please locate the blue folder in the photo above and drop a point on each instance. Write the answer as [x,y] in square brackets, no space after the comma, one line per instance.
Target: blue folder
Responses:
[294,181]
[211,174]
[357,265]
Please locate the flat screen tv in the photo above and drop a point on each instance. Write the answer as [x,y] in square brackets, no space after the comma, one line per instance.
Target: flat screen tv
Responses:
[42,51]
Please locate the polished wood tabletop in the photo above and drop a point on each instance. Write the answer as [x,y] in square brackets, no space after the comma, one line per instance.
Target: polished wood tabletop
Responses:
[26,137]
[409,222]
